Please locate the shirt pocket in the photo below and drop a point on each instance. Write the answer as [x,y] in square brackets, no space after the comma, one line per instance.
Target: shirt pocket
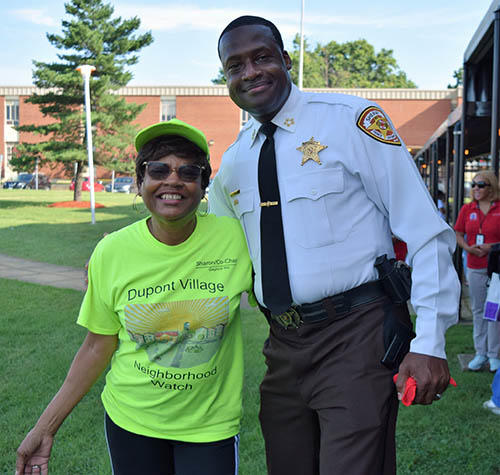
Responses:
[312,200]
[244,208]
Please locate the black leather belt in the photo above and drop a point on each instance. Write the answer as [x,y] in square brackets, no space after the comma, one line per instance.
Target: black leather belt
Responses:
[329,307]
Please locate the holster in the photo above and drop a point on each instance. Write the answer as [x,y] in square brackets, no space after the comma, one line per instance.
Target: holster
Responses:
[398,333]
[398,329]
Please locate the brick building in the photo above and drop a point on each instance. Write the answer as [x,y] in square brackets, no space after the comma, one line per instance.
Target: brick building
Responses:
[416,114]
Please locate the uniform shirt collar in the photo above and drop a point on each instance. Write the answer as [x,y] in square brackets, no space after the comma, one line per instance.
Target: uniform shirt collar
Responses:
[286,118]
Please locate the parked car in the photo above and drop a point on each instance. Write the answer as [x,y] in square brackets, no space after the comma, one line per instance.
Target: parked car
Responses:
[26,181]
[123,184]
[86,185]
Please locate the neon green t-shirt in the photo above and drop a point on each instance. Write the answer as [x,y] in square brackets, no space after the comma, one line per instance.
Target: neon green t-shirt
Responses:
[178,371]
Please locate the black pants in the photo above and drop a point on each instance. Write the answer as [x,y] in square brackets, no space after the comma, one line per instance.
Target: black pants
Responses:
[134,454]
[328,406]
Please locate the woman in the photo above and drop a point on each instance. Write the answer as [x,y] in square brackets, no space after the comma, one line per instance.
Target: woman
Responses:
[163,306]
[480,221]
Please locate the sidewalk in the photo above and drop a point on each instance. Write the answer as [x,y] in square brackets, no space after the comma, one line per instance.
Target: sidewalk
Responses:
[41,273]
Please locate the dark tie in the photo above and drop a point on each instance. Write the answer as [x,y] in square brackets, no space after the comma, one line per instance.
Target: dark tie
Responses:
[276,291]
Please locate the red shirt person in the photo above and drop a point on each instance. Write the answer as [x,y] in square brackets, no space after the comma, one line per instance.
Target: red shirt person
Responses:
[472,222]
[479,220]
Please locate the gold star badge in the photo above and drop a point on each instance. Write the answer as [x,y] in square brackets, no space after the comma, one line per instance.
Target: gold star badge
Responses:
[310,150]
[288,122]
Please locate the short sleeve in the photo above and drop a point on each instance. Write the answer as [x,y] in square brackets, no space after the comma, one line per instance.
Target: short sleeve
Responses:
[96,312]
[460,224]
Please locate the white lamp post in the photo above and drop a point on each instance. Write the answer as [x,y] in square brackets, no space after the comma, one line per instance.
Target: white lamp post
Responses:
[86,70]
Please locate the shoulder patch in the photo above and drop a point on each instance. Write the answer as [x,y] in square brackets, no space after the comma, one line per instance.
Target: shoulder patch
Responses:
[374,123]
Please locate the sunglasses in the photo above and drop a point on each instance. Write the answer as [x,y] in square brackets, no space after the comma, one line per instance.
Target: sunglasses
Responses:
[479,184]
[161,171]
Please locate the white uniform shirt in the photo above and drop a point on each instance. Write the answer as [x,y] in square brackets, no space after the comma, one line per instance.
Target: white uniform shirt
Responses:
[338,215]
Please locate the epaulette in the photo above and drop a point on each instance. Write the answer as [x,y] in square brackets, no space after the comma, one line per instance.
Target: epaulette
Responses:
[240,133]
[232,145]
[244,129]
[248,124]
[335,98]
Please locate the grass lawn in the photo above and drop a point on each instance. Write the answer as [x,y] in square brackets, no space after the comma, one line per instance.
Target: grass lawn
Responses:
[65,236]
[38,339]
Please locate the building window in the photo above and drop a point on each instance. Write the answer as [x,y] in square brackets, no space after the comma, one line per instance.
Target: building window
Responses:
[5,160]
[245,117]
[12,112]
[9,148]
[168,108]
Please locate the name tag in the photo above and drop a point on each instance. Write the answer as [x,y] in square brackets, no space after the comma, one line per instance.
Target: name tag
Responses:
[479,239]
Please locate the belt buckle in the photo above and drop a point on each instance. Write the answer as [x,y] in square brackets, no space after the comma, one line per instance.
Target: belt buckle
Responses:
[290,319]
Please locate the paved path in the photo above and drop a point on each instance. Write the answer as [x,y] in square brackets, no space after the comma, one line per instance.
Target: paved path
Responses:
[41,273]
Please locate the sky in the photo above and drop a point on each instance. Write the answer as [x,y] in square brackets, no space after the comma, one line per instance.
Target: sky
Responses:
[428,38]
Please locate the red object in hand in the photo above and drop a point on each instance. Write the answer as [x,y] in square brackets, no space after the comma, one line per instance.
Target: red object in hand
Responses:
[411,389]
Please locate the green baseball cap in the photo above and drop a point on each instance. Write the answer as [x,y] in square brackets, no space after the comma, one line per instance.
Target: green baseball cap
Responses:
[172,127]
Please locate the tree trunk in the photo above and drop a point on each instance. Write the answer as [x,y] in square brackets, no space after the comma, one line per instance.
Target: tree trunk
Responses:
[77,192]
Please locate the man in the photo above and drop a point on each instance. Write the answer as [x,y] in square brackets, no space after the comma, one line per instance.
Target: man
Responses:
[346,182]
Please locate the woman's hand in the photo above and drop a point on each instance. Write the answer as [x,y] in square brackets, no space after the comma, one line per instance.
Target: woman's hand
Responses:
[479,250]
[90,361]
[486,247]
[34,452]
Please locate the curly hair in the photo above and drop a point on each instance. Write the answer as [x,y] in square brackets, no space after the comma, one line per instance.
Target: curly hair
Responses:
[176,145]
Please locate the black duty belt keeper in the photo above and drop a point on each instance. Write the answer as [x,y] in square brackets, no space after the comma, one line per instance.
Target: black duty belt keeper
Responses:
[330,307]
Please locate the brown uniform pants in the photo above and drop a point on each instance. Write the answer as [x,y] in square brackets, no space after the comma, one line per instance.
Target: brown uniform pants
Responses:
[328,406]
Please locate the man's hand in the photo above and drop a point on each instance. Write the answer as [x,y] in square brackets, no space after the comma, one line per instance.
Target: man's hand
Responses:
[431,374]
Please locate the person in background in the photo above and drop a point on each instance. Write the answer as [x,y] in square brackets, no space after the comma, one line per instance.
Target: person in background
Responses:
[163,306]
[479,220]
[319,182]
[441,197]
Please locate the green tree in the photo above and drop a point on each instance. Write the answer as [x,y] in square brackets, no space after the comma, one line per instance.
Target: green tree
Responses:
[353,64]
[220,79]
[458,75]
[90,35]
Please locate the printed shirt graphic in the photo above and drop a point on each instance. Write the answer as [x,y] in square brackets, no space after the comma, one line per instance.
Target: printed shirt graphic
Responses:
[178,334]
[178,370]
